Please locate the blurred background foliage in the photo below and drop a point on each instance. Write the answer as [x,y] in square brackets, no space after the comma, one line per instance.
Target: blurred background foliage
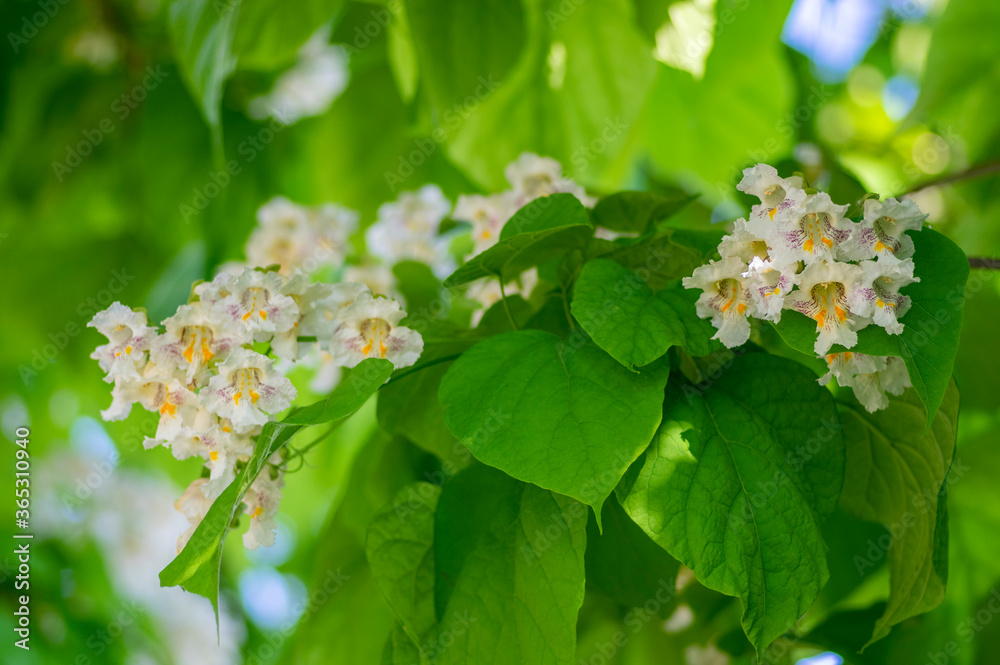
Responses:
[130,165]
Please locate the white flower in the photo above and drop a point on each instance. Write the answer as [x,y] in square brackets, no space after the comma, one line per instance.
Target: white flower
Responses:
[532,176]
[129,338]
[870,377]
[281,236]
[325,316]
[808,231]
[878,296]
[194,336]
[775,193]
[309,87]
[768,284]
[882,231]
[261,502]
[487,291]
[369,329]
[824,294]
[767,280]
[156,389]
[194,505]
[331,226]
[408,229]
[252,302]
[247,389]
[727,299]
[307,297]
[487,214]
[223,449]
[377,277]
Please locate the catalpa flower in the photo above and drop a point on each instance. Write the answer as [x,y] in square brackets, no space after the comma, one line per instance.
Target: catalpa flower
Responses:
[408,229]
[332,226]
[223,449]
[812,230]
[767,281]
[775,193]
[878,296]
[253,302]
[883,230]
[370,329]
[156,389]
[727,300]
[870,377]
[487,292]
[129,338]
[261,502]
[194,337]
[824,293]
[532,176]
[307,296]
[487,214]
[246,389]
[325,316]
[282,236]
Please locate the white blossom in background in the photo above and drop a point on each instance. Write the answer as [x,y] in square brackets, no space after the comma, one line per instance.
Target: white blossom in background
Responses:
[532,176]
[262,501]
[298,237]
[487,214]
[309,87]
[377,277]
[409,229]
[487,291]
[799,251]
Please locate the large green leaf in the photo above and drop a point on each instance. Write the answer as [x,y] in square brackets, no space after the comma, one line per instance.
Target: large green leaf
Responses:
[929,342]
[688,135]
[461,44]
[400,552]
[564,417]
[544,228]
[635,211]
[202,32]
[636,326]
[574,94]
[270,32]
[509,558]
[895,475]
[736,483]
[196,568]
[672,254]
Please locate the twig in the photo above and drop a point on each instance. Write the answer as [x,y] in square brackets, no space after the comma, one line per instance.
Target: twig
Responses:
[971,173]
[984,263]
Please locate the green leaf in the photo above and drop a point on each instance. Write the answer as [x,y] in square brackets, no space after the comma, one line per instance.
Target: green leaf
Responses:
[672,254]
[636,326]
[575,94]
[542,229]
[929,342]
[409,406]
[635,211]
[896,476]
[400,552]
[736,483]
[196,568]
[564,417]
[202,33]
[270,32]
[509,558]
[625,563]
[687,134]
[461,44]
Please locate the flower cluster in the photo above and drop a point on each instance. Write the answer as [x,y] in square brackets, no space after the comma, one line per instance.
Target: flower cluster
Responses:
[798,250]
[298,237]
[214,392]
[530,177]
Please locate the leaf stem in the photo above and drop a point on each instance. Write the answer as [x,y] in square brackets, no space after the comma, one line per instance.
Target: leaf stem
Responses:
[506,307]
[970,173]
[417,368]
